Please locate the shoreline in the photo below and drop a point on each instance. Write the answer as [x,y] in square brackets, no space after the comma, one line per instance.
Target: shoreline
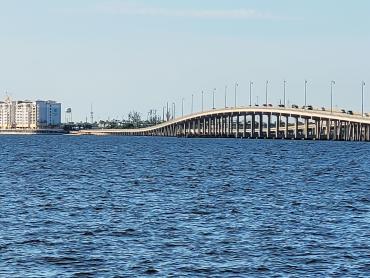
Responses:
[46,131]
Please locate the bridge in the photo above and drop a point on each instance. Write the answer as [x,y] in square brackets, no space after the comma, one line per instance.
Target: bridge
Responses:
[258,122]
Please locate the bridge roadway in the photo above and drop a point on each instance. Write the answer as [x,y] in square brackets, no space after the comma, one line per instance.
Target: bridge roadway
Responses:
[258,122]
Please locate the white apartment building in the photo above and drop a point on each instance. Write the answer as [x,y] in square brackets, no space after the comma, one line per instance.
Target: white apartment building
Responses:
[7,114]
[29,114]
[25,114]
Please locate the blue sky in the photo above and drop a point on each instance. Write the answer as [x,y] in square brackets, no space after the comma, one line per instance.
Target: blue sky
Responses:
[137,55]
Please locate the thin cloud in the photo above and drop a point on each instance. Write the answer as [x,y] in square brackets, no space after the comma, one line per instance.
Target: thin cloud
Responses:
[146,11]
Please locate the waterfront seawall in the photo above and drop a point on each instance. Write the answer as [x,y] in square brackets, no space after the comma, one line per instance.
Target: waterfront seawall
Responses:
[51,131]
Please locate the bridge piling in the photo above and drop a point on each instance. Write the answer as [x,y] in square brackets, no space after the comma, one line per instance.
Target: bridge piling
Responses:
[260,126]
[268,134]
[296,128]
[277,126]
[237,126]
[244,125]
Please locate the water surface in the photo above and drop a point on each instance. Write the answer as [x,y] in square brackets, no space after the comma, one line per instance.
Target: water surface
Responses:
[129,206]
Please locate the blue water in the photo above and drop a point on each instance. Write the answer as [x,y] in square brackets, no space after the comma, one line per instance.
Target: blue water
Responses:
[128,207]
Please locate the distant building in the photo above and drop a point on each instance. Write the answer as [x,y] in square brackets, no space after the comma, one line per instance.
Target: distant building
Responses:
[29,114]
[7,114]
[25,114]
[49,113]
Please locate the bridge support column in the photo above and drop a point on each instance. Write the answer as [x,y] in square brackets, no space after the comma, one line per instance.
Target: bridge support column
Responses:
[237,126]
[328,127]
[335,134]
[348,131]
[296,128]
[232,125]
[277,127]
[209,125]
[260,126]
[217,125]
[286,131]
[222,126]
[244,125]
[253,125]
[223,129]
[343,131]
[306,122]
[367,133]
[339,131]
[225,125]
[360,131]
[363,132]
[317,129]
[354,132]
[204,126]
[268,135]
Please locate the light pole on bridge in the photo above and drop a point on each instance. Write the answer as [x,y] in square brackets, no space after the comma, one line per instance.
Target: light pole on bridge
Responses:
[267,82]
[362,97]
[213,98]
[182,107]
[284,92]
[236,86]
[174,110]
[202,100]
[331,95]
[167,113]
[225,94]
[250,93]
[305,93]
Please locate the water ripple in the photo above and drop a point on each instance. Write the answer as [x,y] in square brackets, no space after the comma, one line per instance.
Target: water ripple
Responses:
[122,207]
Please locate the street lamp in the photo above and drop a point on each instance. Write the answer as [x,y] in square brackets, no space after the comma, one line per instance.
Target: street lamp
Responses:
[331,95]
[202,100]
[182,107]
[284,92]
[174,110]
[250,93]
[167,113]
[213,98]
[225,95]
[267,82]
[362,93]
[305,93]
[236,85]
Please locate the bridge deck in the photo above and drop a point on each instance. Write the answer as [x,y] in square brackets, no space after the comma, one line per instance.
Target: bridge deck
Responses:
[238,122]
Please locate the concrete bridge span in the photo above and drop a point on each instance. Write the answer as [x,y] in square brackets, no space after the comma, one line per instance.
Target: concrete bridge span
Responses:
[258,122]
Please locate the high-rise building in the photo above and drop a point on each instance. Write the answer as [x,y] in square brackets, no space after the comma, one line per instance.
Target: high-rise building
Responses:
[28,114]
